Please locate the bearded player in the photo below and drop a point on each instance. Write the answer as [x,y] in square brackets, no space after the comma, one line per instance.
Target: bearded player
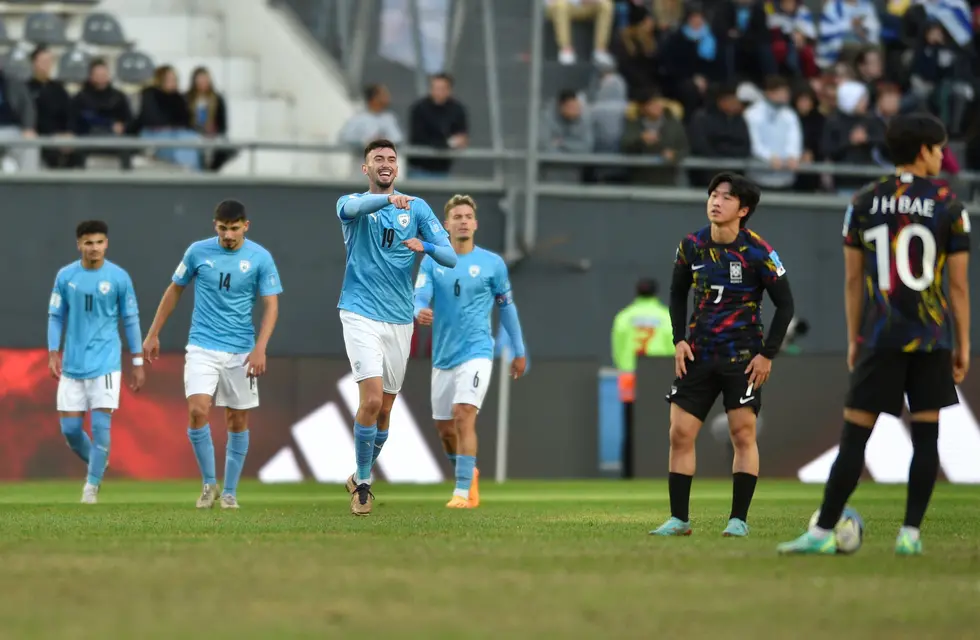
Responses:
[457,303]
[381,234]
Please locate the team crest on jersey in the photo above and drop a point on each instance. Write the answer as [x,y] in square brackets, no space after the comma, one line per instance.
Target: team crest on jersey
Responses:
[244,265]
[735,272]
[104,287]
[403,219]
[474,270]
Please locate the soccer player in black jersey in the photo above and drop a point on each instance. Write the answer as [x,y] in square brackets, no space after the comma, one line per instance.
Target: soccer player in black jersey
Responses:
[723,353]
[899,234]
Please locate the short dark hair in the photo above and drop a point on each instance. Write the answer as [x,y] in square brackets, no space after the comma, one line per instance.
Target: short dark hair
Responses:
[371,91]
[565,95]
[442,75]
[647,288]
[380,143]
[747,192]
[725,90]
[773,83]
[907,134]
[38,50]
[229,211]
[91,226]
[97,62]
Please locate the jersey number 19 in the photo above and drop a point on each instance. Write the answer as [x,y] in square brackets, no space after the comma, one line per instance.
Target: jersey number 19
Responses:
[879,236]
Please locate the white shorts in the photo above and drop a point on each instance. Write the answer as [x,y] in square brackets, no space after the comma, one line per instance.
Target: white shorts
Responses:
[464,384]
[377,349]
[94,393]
[222,375]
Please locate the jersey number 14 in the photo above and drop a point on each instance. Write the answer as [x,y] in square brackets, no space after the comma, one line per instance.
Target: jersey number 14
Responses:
[879,236]
[224,281]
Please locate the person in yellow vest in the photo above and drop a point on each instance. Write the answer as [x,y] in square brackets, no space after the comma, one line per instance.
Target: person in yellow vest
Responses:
[642,328]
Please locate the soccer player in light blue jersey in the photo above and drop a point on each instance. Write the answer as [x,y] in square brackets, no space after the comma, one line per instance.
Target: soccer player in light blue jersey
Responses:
[457,303]
[381,233]
[89,297]
[224,357]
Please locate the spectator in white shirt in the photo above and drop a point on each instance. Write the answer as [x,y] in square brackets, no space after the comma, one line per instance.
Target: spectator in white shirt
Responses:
[563,12]
[776,135]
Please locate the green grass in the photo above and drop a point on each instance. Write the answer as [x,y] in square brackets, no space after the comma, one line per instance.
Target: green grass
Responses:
[555,560]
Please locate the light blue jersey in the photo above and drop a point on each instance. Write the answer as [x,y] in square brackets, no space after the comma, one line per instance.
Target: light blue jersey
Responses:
[225,289]
[91,302]
[462,300]
[378,276]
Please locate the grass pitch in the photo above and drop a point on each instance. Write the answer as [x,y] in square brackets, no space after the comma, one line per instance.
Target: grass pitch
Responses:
[552,559]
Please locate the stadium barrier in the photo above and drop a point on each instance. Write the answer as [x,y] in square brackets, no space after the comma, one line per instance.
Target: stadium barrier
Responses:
[487,154]
[799,427]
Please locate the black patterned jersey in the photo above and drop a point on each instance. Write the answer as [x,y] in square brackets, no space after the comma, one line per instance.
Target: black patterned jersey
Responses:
[728,282]
[907,226]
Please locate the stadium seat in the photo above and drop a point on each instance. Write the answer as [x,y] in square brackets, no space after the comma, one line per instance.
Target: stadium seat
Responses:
[45,28]
[17,63]
[134,67]
[104,30]
[73,66]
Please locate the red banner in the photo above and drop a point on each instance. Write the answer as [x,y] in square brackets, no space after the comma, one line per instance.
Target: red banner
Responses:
[149,430]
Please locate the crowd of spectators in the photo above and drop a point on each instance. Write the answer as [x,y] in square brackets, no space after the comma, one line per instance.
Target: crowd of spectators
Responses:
[777,81]
[45,106]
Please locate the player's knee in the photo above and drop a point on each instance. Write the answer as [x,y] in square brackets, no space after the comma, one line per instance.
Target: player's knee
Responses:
[198,414]
[447,429]
[370,406]
[71,427]
[682,436]
[742,434]
[236,420]
[464,415]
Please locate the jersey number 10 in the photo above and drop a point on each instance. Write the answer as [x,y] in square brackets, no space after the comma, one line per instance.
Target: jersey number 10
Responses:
[879,236]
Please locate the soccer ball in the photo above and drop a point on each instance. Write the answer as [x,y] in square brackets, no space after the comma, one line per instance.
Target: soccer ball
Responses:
[849,530]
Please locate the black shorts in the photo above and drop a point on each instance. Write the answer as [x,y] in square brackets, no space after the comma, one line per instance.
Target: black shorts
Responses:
[696,392]
[881,379]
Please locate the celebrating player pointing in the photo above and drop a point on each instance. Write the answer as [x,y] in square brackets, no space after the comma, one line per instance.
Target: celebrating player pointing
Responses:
[729,267]
[899,233]
[381,234]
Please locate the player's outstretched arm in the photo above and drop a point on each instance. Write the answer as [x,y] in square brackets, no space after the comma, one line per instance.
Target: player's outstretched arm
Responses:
[352,207]
[151,346]
[435,240]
